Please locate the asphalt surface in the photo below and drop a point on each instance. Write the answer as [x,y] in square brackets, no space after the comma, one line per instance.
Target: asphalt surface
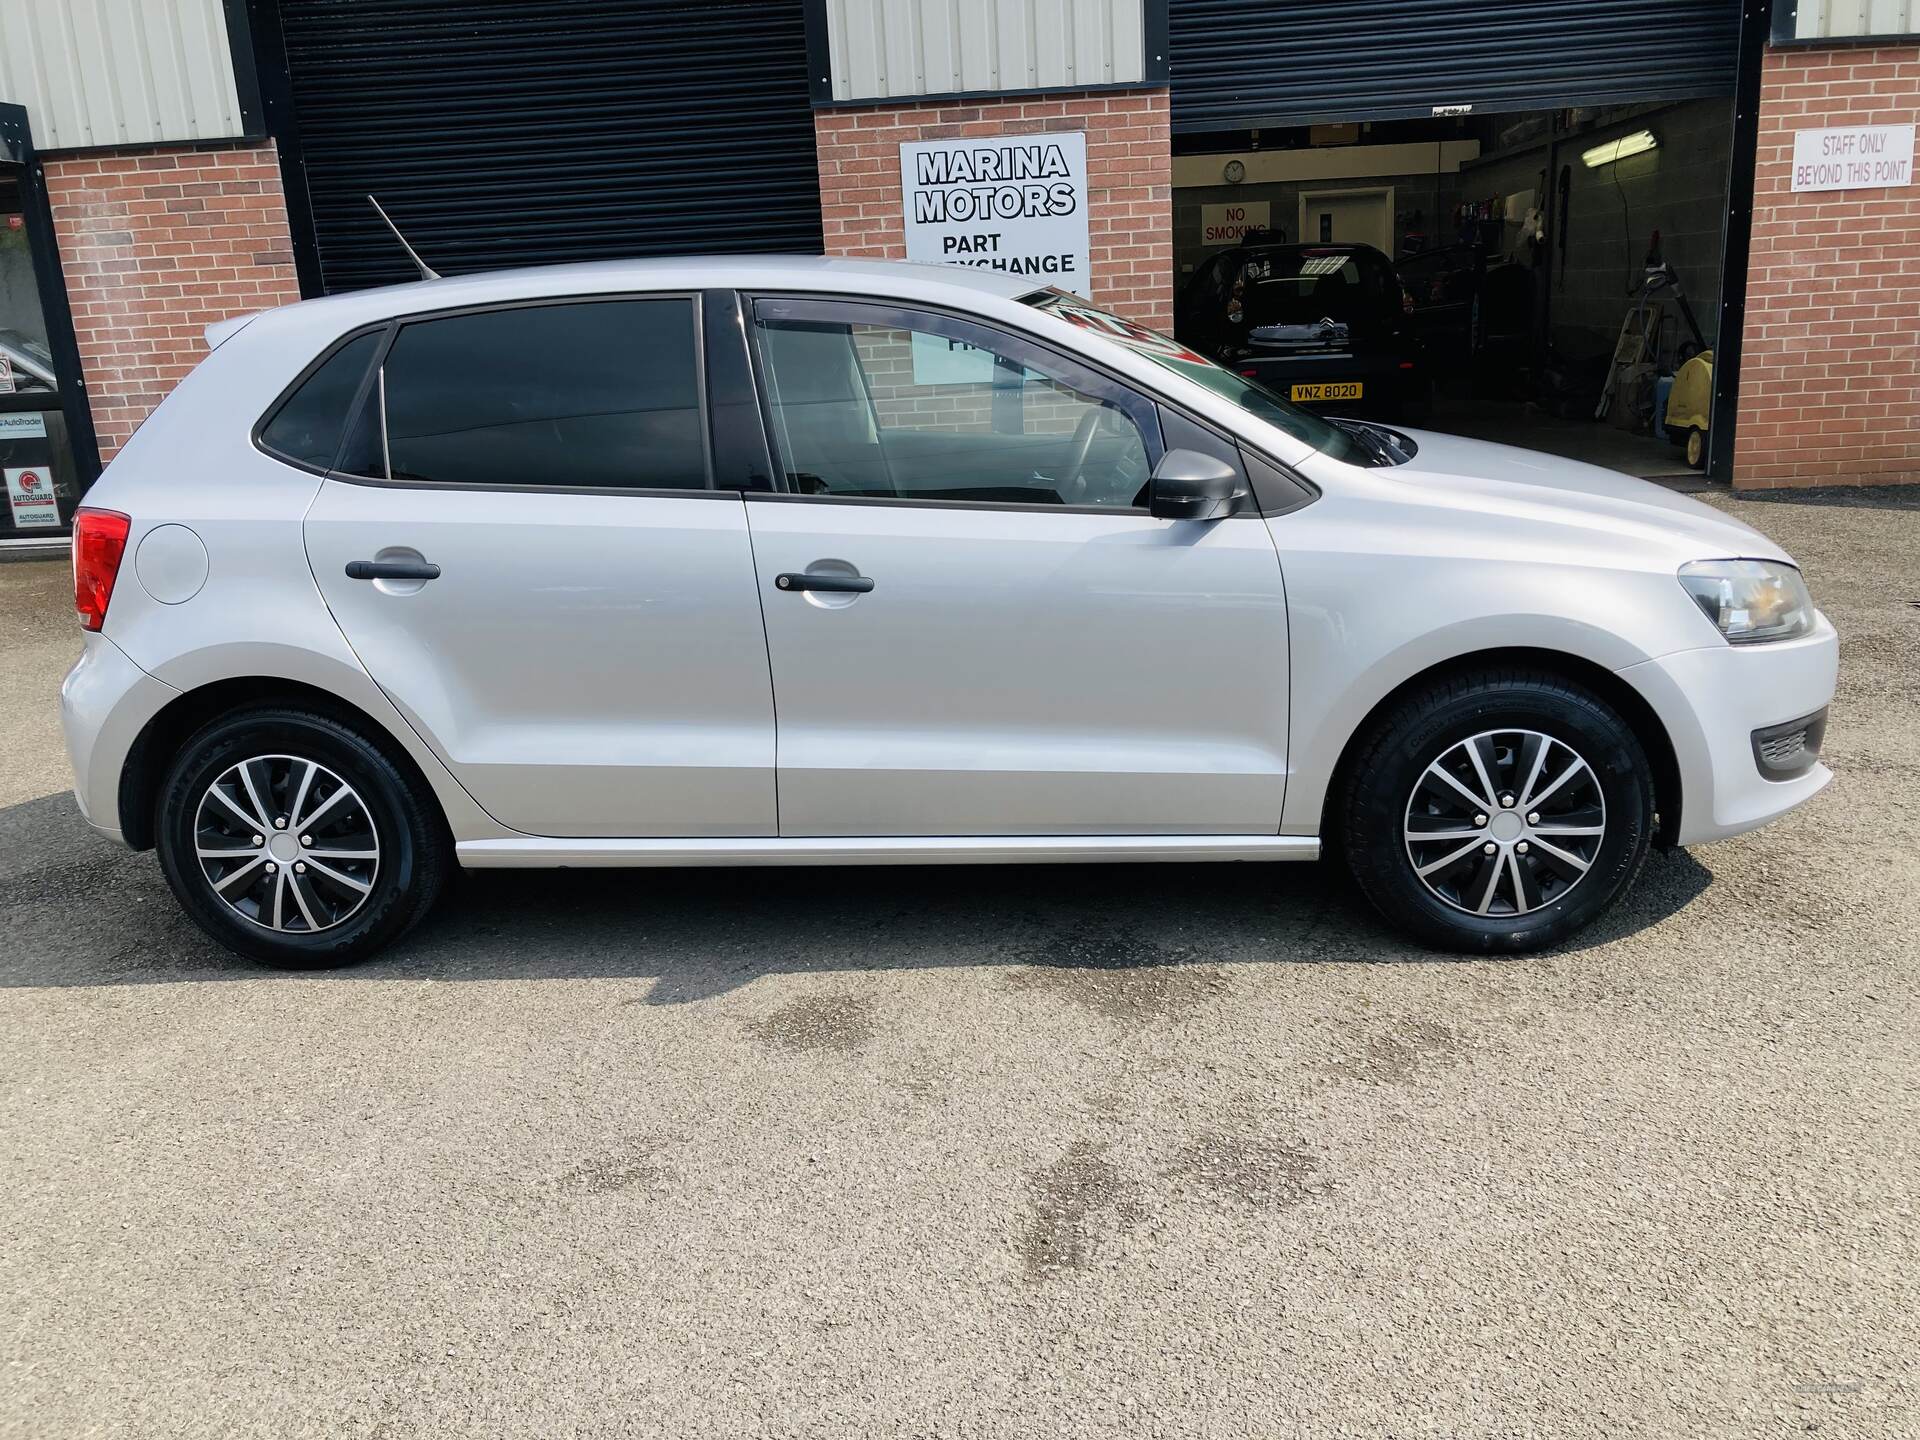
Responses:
[1077,1151]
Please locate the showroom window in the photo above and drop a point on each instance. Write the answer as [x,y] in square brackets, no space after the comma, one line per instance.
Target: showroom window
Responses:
[584,395]
[933,409]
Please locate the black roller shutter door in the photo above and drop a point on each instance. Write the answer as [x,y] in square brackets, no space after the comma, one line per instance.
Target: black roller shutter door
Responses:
[510,133]
[1238,64]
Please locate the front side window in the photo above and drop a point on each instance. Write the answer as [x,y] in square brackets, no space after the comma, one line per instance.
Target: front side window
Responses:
[582,395]
[906,407]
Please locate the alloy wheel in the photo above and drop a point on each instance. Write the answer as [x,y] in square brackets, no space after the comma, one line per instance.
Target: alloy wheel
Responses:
[286,844]
[1505,822]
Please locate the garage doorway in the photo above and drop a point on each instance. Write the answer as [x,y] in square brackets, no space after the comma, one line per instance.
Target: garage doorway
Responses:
[1528,203]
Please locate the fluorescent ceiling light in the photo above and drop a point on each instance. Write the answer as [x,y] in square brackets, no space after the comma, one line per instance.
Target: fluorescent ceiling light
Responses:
[1638,143]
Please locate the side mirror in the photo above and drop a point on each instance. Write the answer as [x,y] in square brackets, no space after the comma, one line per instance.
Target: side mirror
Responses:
[1187,485]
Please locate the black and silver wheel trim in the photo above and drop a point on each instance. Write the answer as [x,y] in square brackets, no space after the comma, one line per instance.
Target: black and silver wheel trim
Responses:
[286,844]
[1504,822]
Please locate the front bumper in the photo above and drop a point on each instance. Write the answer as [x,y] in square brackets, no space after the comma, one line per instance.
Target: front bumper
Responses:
[105,702]
[1712,700]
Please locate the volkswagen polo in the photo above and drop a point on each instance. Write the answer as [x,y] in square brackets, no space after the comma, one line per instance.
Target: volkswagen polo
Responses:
[800,562]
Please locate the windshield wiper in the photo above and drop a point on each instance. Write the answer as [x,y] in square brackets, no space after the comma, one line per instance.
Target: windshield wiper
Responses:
[1381,449]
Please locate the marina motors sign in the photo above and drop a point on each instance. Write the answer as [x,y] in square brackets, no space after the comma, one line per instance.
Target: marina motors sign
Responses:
[1005,202]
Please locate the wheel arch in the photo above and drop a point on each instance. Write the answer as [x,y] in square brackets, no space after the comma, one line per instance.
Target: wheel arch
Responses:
[176,722]
[1633,707]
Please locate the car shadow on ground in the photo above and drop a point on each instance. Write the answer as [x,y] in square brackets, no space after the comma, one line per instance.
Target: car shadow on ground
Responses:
[78,910]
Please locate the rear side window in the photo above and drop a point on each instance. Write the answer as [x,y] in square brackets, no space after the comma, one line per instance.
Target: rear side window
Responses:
[600,395]
[308,425]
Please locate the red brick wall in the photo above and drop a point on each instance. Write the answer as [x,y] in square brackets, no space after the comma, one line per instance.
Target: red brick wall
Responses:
[1129,181]
[1830,370]
[155,246]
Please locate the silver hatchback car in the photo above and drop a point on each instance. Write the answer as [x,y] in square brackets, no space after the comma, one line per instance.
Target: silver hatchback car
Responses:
[799,562]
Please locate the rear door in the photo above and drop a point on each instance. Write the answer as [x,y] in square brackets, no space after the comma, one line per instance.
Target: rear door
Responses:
[522,542]
[976,628]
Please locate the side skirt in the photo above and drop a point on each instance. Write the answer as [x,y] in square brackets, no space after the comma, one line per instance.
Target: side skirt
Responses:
[531,852]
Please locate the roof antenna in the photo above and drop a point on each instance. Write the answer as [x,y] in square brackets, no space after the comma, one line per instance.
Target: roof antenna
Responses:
[427,272]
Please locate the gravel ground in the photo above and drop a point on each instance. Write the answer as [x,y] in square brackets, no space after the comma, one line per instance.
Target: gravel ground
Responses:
[1174,1151]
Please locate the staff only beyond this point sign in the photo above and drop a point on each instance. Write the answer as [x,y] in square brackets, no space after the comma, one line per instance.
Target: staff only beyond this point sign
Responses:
[1859,157]
[1016,203]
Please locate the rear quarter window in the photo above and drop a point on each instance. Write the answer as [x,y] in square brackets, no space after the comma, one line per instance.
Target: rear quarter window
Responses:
[309,424]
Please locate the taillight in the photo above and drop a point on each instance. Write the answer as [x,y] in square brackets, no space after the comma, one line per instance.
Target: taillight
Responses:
[99,540]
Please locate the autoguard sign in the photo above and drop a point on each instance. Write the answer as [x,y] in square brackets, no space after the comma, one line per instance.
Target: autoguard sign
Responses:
[30,497]
[1016,203]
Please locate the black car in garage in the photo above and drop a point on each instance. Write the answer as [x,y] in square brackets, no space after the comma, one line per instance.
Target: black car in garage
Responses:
[1323,325]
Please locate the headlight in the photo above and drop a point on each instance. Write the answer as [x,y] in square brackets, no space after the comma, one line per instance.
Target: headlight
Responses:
[1750,600]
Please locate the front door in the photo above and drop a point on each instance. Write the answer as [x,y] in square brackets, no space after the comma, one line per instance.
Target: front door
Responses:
[975,626]
[521,544]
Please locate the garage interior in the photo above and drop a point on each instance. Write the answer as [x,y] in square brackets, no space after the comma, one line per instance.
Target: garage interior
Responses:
[1538,251]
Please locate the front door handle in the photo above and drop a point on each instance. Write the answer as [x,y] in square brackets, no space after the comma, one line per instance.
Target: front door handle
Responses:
[842,584]
[392,570]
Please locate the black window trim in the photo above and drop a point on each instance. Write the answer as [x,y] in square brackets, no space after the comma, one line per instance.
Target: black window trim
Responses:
[312,368]
[750,300]
[393,325]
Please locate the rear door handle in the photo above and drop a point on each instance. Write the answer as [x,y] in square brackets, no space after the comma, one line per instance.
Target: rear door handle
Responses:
[844,584]
[392,570]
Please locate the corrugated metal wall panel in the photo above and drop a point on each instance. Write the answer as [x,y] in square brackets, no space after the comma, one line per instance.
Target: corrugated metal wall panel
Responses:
[881,49]
[1243,63]
[98,73]
[1854,19]
[524,132]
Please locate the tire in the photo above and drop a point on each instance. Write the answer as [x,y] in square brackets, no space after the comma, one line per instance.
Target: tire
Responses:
[370,861]
[1511,718]
[1696,443]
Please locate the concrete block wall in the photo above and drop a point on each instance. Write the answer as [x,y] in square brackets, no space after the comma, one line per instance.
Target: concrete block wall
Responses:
[1830,377]
[156,245]
[1431,196]
[1679,189]
[1129,181]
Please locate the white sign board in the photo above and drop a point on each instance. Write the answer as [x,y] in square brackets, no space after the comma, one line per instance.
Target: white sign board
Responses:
[1859,157]
[1016,203]
[6,376]
[23,427]
[30,495]
[940,361]
[1228,224]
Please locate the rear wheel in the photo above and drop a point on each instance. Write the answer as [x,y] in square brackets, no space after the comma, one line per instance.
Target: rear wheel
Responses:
[1497,811]
[1697,448]
[290,837]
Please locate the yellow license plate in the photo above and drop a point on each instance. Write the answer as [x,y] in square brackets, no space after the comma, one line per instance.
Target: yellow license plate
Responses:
[1329,390]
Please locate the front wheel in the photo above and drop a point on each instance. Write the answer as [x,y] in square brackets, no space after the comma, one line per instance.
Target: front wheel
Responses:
[292,838]
[1497,811]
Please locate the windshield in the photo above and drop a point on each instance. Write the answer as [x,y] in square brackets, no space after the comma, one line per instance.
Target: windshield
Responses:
[1251,396]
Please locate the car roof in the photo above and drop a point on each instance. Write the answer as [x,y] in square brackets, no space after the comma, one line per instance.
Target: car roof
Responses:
[887,278]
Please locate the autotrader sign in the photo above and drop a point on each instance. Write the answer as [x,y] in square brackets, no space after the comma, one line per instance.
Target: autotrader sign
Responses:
[1005,202]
